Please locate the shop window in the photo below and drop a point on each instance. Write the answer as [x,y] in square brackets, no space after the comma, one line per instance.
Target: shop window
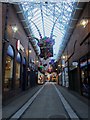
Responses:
[10,51]
[24,73]
[84,77]
[8,81]
[18,66]
[18,74]
[24,61]
[18,58]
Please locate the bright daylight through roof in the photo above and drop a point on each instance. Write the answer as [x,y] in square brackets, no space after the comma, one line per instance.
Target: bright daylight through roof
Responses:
[49,19]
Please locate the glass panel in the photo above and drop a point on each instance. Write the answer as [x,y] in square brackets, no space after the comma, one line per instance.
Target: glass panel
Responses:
[8,74]
[24,61]
[84,77]
[17,75]
[10,51]
[47,14]
[18,58]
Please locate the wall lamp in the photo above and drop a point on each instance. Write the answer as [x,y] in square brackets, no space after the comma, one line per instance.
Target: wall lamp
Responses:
[14,28]
[84,22]
[59,65]
[63,57]
[30,50]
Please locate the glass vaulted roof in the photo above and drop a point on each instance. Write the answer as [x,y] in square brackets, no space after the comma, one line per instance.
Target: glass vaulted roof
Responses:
[49,17]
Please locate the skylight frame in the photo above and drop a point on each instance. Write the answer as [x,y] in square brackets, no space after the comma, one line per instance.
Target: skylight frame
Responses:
[63,16]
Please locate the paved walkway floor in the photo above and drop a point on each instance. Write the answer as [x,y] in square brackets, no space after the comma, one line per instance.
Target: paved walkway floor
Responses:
[19,101]
[78,103]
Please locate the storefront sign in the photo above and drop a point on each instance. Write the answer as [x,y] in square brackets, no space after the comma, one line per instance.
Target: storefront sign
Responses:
[75,63]
[19,46]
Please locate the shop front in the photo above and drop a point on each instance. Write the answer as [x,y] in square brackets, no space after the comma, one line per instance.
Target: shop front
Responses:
[24,72]
[85,76]
[40,78]
[8,79]
[74,81]
[66,77]
[18,70]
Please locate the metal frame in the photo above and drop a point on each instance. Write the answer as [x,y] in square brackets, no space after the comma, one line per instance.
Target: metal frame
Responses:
[56,13]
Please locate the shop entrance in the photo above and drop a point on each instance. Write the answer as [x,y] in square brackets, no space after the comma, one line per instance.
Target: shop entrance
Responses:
[73,79]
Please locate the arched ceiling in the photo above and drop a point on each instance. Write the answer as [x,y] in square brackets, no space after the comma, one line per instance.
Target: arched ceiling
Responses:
[45,18]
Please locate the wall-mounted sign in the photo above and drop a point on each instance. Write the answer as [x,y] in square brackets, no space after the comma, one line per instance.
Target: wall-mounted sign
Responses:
[19,46]
[75,63]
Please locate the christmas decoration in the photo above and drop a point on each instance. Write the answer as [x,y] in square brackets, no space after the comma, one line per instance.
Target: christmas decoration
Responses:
[46,47]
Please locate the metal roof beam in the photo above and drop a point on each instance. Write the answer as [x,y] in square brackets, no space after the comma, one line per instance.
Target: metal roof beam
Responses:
[42,18]
[20,12]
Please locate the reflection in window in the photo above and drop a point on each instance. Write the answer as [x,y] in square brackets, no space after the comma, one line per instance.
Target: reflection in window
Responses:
[8,74]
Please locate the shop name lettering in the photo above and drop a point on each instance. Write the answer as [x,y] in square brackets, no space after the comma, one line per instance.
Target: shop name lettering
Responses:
[19,46]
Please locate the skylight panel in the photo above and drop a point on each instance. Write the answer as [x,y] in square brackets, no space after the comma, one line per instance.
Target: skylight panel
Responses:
[58,14]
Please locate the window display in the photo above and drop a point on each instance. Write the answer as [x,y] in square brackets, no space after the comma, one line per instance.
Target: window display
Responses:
[18,70]
[8,80]
[18,74]
[85,85]
[8,74]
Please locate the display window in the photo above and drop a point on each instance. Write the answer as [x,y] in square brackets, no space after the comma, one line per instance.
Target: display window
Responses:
[89,74]
[24,73]
[18,74]
[66,77]
[8,74]
[85,85]
[18,68]
[8,81]
[40,78]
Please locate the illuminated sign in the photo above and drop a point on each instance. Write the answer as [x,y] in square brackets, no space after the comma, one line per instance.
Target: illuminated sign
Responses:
[75,63]
[19,46]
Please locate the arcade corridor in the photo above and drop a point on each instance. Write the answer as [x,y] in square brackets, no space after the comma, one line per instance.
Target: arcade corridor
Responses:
[44,59]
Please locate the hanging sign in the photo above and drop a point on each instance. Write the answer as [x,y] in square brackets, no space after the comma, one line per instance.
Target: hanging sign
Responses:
[19,46]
